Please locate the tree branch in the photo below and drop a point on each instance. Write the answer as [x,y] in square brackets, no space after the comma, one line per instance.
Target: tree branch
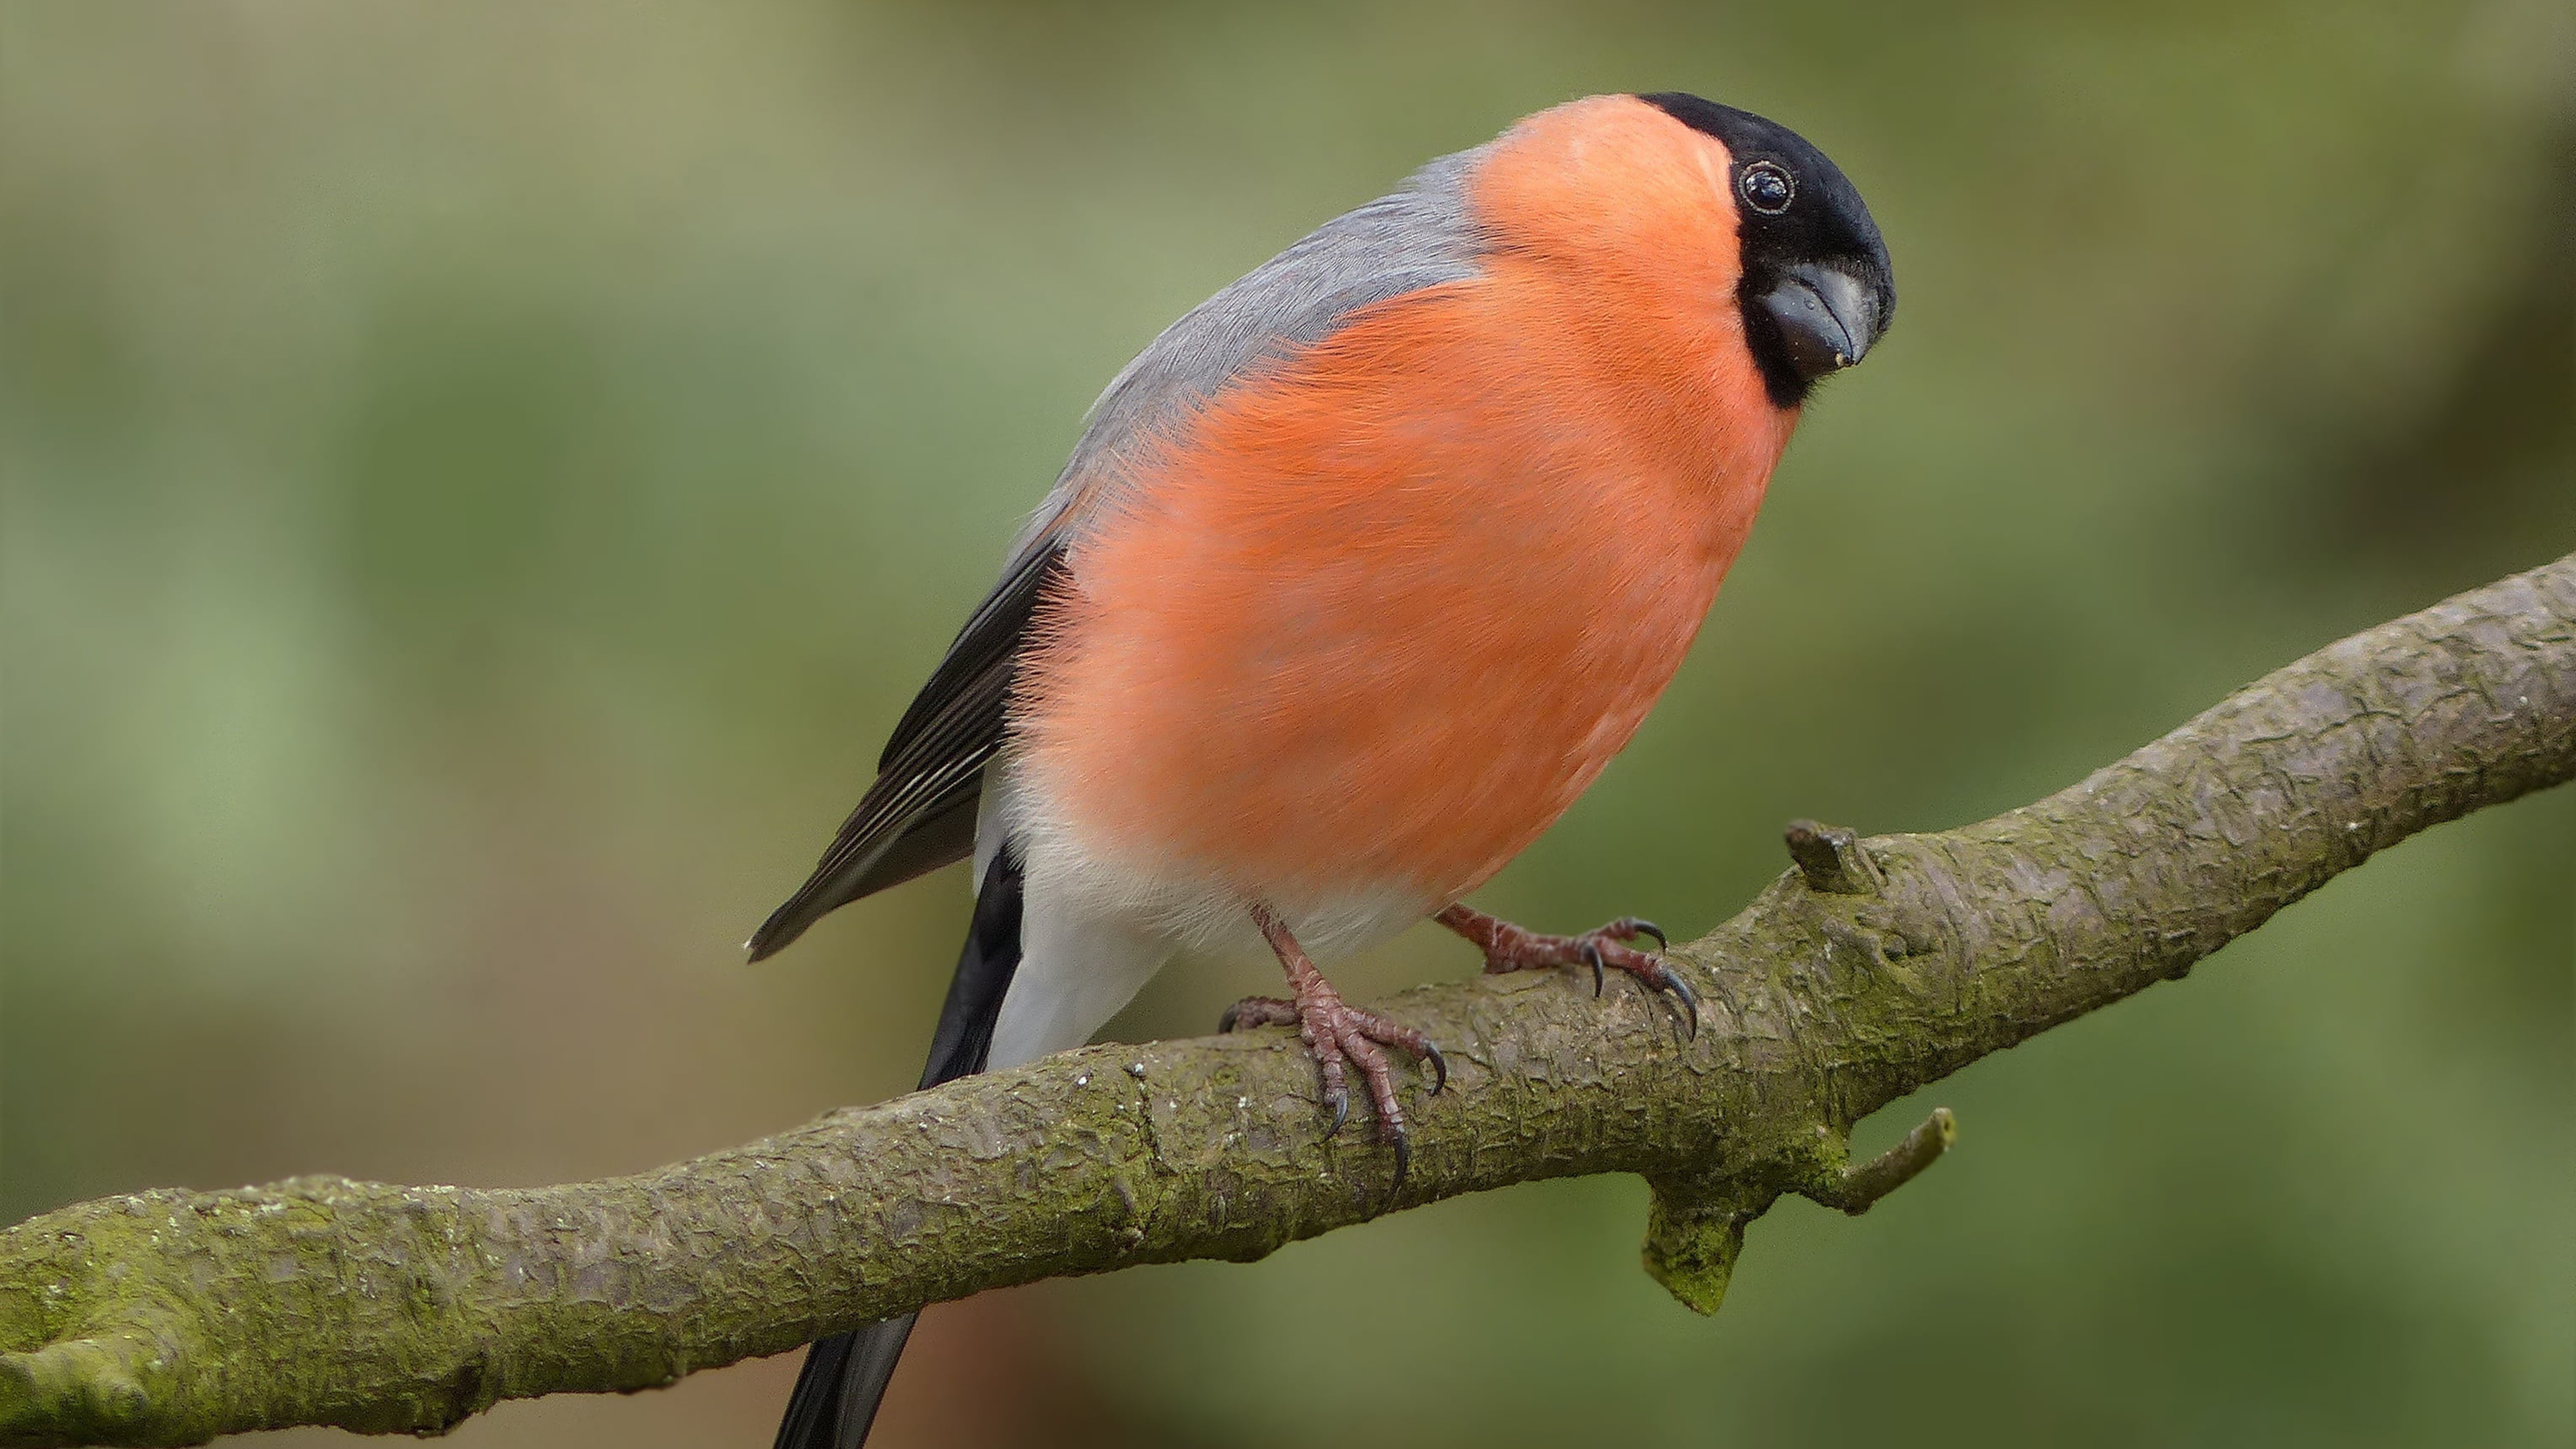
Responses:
[1874,968]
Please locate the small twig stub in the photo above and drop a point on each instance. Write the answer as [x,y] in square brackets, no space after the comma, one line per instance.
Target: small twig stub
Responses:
[1832,860]
[1855,1190]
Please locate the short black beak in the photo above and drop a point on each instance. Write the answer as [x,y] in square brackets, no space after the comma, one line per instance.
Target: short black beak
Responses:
[1828,317]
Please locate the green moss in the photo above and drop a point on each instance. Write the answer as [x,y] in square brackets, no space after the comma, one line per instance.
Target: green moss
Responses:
[1692,1244]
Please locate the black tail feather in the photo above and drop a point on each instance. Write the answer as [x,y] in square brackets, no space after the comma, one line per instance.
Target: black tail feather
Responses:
[845,1375]
[843,1381]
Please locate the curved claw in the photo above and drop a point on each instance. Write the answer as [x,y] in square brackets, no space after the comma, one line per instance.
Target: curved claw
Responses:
[1592,956]
[1226,1023]
[1440,1066]
[1403,1161]
[1638,925]
[1673,981]
[1341,1103]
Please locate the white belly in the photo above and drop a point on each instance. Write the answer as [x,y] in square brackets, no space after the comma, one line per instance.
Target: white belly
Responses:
[1092,932]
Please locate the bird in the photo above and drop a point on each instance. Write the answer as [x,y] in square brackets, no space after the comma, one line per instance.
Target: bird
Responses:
[1356,578]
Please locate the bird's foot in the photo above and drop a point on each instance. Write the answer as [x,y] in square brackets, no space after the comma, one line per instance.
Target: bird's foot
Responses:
[1340,1036]
[1512,948]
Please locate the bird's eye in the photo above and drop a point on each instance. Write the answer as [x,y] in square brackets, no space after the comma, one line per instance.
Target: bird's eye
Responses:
[1767,187]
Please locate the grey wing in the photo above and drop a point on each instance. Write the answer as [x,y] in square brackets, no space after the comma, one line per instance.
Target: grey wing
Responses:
[920,813]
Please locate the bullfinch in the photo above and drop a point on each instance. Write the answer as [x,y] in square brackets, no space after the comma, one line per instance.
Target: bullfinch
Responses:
[1358,576]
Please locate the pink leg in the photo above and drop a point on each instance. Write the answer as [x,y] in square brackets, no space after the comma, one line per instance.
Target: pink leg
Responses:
[1510,948]
[1336,1032]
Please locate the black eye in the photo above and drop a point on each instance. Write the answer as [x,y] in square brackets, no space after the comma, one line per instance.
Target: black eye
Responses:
[1767,187]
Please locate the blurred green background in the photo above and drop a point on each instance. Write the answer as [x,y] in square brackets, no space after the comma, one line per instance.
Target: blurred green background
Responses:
[482,479]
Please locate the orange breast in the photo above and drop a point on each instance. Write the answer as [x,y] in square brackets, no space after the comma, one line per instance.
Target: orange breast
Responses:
[1382,612]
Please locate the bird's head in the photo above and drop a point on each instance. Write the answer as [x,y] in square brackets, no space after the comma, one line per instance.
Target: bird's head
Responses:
[1817,291]
[1671,197]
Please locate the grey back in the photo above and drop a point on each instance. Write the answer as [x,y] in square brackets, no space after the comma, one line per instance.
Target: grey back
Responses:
[1418,236]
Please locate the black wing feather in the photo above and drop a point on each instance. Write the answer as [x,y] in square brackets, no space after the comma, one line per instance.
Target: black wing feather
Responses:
[994,635]
[920,813]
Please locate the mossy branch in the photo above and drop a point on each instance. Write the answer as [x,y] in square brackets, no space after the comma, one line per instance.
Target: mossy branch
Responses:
[1875,967]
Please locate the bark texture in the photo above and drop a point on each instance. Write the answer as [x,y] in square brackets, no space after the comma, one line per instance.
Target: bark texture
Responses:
[1871,969]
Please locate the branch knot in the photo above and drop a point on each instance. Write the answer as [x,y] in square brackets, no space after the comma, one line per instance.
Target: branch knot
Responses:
[1694,1234]
[1831,859]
